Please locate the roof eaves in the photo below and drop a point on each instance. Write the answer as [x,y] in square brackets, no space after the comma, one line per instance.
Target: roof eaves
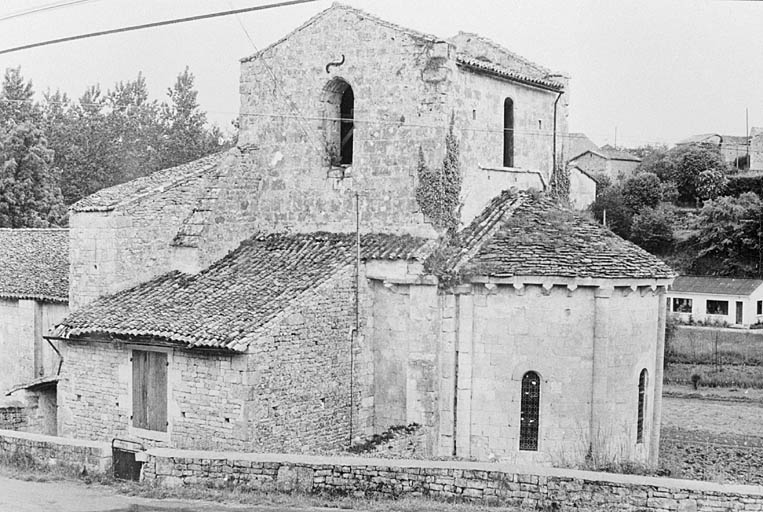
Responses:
[491,69]
[503,49]
[41,298]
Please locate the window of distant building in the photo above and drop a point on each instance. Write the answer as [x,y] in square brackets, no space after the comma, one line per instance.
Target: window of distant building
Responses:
[681,305]
[529,412]
[508,132]
[717,307]
[760,307]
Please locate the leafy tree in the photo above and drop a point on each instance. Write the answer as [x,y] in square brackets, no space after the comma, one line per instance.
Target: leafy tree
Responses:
[610,206]
[16,99]
[655,160]
[688,162]
[29,193]
[711,184]
[729,234]
[186,137]
[642,190]
[652,229]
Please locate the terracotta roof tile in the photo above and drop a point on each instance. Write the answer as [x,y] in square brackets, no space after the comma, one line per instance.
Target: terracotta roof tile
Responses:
[34,264]
[518,235]
[223,304]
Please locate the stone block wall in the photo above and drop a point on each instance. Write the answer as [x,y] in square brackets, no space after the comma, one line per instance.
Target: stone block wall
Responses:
[13,417]
[290,391]
[71,455]
[114,250]
[478,102]
[26,355]
[497,484]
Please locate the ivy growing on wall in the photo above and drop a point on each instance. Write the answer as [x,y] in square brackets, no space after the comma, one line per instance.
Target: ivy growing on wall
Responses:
[560,184]
[438,192]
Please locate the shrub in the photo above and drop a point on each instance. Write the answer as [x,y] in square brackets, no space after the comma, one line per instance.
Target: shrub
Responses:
[652,230]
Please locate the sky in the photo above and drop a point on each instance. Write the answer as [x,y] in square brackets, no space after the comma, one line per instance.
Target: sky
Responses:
[642,71]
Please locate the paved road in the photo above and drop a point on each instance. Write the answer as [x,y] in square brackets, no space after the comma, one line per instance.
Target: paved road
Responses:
[71,496]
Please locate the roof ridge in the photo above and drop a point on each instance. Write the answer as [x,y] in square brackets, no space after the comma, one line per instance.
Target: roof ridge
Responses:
[336,6]
[502,48]
[499,207]
[209,162]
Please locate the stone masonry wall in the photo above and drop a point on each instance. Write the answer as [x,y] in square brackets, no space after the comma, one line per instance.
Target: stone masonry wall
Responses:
[399,82]
[570,339]
[290,392]
[114,250]
[478,102]
[69,454]
[405,338]
[497,484]
[26,355]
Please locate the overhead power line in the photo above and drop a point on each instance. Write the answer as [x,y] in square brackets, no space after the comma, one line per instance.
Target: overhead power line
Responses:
[156,24]
[46,7]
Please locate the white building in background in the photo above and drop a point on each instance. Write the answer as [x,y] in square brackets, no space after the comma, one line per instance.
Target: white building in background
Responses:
[733,301]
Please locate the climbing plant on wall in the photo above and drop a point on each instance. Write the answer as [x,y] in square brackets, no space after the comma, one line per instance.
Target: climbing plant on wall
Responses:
[560,184]
[438,192]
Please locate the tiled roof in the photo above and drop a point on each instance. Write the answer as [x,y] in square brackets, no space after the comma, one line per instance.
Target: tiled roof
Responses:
[110,198]
[519,235]
[34,264]
[715,285]
[617,154]
[495,69]
[579,143]
[223,304]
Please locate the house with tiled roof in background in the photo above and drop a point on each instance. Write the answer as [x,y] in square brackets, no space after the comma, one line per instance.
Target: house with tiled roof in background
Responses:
[34,296]
[606,161]
[306,289]
[735,149]
[729,301]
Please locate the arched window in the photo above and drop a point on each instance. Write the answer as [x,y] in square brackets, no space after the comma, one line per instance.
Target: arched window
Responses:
[339,100]
[529,412]
[508,133]
[642,382]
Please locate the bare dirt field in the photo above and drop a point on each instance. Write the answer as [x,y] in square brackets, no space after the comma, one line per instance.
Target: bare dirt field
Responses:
[712,439]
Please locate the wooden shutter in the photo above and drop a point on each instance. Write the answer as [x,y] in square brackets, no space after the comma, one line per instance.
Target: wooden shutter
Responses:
[149,390]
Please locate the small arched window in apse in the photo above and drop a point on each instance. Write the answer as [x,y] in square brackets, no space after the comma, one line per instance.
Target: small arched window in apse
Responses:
[529,412]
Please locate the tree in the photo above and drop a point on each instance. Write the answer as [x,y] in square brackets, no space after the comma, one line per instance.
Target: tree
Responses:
[610,203]
[642,190]
[652,230]
[711,184]
[186,136]
[17,94]
[29,193]
[687,163]
[729,234]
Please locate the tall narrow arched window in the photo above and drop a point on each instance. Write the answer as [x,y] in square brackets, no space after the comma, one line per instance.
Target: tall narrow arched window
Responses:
[339,124]
[642,382]
[347,113]
[529,412]
[508,133]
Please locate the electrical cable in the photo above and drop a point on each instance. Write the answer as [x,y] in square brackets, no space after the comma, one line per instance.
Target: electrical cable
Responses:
[155,24]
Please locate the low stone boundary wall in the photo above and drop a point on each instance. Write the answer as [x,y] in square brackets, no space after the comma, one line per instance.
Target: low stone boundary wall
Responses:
[556,489]
[73,455]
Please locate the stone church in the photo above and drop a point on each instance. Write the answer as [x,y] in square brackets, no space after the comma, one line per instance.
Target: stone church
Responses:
[308,287]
